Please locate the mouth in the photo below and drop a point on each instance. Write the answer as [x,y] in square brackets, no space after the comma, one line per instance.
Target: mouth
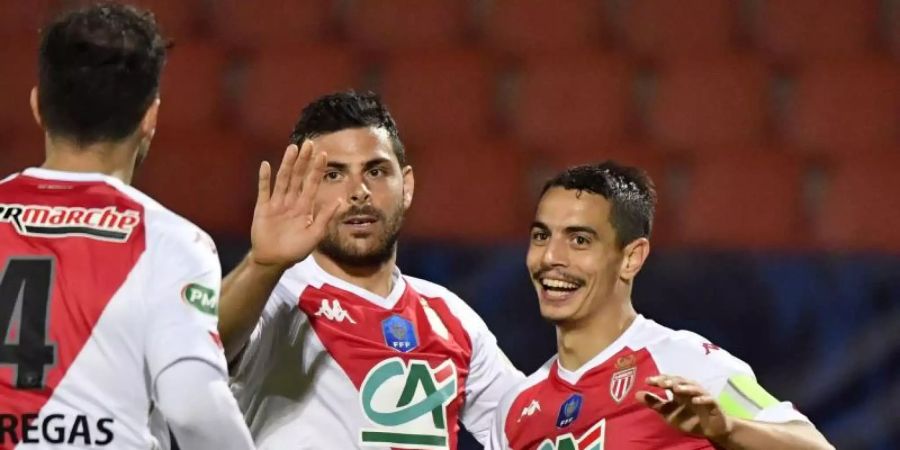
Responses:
[555,289]
[360,222]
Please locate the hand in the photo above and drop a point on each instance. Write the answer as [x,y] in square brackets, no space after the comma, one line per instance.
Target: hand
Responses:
[691,410]
[285,227]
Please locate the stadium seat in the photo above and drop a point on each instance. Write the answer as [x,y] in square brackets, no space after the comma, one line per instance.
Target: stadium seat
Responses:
[21,150]
[208,176]
[470,191]
[709,103]
[806,30]
[405,24]
[280,82]
[582,95]
[671,30]
[745,199]
[22,21]
[272,23]
[192,86]
[844,107]
[440,94]
[861,208]
[536,27]
[18,76]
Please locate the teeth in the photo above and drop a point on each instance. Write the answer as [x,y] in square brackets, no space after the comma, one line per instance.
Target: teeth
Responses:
[558,284]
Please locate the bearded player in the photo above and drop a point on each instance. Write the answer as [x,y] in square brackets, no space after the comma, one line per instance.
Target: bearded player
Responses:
[107,299]
[589,240]
[338,349]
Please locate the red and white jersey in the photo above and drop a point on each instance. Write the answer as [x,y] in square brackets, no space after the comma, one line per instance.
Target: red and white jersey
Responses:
[101,289]
[594,407]
[333,366]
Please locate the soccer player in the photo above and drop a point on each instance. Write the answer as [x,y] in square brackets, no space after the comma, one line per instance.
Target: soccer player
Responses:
[333,348]
[589,240]
[107,299]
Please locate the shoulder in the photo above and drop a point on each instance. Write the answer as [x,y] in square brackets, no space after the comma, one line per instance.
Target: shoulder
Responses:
[690,355]
[517,397]
[457,306]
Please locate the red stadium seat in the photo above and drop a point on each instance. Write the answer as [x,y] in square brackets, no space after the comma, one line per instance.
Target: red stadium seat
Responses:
[469,191]
[22,21]
[524,27]
[21,150]
[574,96]
[279,83]
[404,24]
[803,30]
[861,208]
[744,199]
[844,107]
[192,88]
[208,176]
[710,103]
[440,95]
[17,77]
[668,30]
[272,23]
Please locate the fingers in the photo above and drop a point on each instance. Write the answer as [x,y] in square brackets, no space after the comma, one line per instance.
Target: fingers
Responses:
[321,220]
[283,177]
[312,180]
[299,169]
[262,191]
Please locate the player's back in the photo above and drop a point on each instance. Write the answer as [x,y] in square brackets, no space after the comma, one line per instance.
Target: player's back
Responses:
[78,306]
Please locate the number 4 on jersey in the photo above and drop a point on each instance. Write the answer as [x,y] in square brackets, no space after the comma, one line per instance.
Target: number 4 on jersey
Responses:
[25,286]
[592,439]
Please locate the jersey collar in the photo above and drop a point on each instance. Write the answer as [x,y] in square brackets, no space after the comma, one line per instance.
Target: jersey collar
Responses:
[385,302]
[572,376]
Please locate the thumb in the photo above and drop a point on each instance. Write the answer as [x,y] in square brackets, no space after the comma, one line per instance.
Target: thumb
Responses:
[324,216]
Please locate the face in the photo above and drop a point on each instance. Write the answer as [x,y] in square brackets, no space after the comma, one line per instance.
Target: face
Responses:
[364,172]
[573,258]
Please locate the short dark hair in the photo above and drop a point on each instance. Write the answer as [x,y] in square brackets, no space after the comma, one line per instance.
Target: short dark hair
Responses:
[99,70]
[344,110]
[629,189]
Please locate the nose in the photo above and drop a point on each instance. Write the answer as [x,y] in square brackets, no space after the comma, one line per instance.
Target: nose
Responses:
[359,192]
[556,254]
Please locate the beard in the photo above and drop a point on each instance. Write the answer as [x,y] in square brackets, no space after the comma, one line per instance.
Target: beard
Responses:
[384,242]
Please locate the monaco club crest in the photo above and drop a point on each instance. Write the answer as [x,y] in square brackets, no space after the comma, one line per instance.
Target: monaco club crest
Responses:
[623,380]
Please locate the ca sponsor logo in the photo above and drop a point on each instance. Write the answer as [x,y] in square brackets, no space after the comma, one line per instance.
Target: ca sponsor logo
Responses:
[105,224]
[334,312]
[201,297]
[407,402]
[592,439]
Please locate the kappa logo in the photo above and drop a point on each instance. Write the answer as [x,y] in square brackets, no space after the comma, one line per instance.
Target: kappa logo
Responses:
[105,224]
[592,439]
[533,408]
[334,312]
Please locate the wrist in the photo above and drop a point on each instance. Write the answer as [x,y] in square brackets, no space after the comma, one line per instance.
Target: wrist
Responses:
[267,267]
[726,435]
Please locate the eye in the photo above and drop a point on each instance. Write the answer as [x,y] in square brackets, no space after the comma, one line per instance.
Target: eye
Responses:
[376,172]
[332,175]
[581,241]
[539,236]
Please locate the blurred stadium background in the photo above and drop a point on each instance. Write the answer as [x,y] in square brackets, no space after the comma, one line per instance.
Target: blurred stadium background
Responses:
[772,129]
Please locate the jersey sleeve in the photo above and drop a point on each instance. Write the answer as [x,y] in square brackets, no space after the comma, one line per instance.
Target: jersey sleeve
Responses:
[182,299]
[497,439]
[255,355]
[728,379]
[491,375]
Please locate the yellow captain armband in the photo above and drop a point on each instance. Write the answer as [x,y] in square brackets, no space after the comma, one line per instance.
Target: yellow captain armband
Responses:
[744,398]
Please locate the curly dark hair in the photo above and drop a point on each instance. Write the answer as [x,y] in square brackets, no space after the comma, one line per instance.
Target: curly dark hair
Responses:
[99,71]
[344,110]
[629,189]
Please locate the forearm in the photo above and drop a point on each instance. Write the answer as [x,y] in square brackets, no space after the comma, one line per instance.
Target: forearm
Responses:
[194,398]
[245,292]
[751,435]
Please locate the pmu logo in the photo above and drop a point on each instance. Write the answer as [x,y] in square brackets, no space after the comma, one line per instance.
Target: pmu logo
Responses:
[408,402]
[592,439]
[105,224]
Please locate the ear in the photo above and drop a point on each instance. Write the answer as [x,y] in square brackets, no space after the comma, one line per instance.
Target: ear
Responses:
[35,110]
[634,255]
[148,123]
[409,185]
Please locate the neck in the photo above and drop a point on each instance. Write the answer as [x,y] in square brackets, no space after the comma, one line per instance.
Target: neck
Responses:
[376,279]
[115,159]
[577,343]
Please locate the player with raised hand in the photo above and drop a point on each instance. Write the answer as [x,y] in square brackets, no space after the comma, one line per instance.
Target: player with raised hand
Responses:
[589,240]
[107,299]
[331,346]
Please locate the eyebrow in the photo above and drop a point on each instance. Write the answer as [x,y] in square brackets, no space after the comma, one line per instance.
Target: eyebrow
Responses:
[568,230]
[368,164]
